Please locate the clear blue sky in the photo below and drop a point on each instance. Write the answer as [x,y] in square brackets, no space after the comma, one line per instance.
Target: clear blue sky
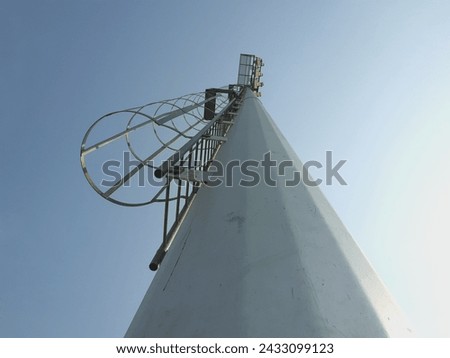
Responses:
[368,80]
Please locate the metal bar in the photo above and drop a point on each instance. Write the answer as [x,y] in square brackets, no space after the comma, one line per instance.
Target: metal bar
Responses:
[178,200]
[202,152]
[209,146]
[166,210]
[170,199]
[189,167]
[196,154]
[124,179]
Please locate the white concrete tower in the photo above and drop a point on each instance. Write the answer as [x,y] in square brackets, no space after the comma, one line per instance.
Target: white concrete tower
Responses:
[264,261]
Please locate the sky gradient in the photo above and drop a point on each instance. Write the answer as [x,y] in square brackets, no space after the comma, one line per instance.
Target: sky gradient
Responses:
[368,80]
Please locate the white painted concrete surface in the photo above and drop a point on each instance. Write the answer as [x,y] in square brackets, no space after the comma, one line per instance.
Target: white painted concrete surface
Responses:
[264,261]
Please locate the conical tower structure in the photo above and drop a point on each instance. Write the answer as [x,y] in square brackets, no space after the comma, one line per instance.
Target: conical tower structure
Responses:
[257,252]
